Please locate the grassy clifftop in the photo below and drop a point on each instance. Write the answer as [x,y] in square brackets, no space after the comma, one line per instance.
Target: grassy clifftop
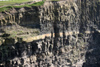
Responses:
[7,2]
[20,6]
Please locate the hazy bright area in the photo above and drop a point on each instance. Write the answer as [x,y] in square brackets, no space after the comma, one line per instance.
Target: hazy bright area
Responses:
[7,2]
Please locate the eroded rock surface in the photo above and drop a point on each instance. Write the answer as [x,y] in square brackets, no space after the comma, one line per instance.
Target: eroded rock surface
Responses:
[56,34]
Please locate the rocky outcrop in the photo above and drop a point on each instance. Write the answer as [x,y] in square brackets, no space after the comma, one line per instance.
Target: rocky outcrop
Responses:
[56,34]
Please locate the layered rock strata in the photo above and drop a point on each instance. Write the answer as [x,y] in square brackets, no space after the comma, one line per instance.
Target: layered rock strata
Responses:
[56,34]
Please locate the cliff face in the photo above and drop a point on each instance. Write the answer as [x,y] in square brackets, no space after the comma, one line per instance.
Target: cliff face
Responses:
[63,33]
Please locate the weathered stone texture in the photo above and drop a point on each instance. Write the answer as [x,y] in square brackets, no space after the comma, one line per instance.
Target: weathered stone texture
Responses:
[55,48]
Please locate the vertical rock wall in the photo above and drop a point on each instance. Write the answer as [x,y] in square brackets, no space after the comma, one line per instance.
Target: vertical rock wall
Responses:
[74,50]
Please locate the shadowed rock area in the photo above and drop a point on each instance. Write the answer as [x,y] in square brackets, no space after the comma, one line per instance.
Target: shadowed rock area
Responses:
[56,34]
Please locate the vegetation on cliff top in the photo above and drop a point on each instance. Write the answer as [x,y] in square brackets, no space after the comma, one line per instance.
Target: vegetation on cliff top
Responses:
[26,5]
[2,2]
[29,5]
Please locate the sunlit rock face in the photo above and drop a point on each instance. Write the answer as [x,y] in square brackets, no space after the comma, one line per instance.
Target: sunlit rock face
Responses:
[56,34]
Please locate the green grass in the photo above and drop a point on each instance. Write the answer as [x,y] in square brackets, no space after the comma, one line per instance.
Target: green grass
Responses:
[35,4]
[26,5]
[5,8]
[12,2]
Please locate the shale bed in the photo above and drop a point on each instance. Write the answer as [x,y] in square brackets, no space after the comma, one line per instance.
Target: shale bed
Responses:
[55,34]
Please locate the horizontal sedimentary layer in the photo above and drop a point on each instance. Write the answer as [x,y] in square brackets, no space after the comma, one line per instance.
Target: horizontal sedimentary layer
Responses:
[39,37]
